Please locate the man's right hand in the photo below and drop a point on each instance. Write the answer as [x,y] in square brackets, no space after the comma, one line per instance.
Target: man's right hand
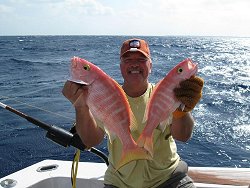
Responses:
[76,93]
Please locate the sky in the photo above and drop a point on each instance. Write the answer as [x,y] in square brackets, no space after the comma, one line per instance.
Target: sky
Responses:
[127,17]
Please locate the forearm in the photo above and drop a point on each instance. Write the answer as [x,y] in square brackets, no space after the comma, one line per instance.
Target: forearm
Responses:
[182,127]
[86,127]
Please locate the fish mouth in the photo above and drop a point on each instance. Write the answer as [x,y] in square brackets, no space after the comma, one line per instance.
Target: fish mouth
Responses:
[78,81]
[195,69]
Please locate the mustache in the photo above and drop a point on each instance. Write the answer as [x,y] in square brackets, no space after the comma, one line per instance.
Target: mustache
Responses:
[134,69]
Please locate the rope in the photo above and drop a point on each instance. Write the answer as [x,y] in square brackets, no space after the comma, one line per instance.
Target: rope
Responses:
[74,168]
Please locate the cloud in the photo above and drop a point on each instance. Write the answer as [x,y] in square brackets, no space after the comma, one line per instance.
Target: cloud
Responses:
[136,17]
[181,17]
[88,7]
[5,9]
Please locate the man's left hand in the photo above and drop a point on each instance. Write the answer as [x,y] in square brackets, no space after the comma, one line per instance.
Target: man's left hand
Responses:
[189,93]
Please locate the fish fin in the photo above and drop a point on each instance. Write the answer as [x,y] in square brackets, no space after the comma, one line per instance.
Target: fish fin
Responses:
[146,142]
[111,135]
[162,125]
[133,154]
[165,123]
[182,107]
[145,117]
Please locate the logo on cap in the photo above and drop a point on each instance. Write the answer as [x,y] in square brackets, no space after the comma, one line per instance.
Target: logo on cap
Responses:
[134,44]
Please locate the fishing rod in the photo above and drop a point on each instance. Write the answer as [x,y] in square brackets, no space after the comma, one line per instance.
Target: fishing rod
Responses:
[58,135]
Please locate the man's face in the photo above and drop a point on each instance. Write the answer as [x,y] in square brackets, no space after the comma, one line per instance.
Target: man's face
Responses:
[135,68]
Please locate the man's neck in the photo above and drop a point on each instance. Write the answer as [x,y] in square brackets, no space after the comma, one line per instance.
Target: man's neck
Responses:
[135,90]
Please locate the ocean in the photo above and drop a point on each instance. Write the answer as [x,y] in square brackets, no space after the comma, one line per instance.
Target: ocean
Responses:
[33,70]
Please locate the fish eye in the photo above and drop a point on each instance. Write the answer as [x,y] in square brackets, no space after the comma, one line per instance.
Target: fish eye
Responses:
[86,67]
[179,70]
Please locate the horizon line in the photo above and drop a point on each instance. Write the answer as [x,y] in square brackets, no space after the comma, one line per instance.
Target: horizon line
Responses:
[123,35]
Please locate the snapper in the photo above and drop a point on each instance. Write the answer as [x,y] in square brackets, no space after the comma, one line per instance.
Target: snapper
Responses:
[107,101]
[163,102]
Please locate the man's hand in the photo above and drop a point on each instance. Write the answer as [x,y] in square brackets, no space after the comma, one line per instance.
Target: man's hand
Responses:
[77,94]
[189,93]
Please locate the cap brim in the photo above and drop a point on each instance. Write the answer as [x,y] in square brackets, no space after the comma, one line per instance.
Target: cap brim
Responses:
[145,54]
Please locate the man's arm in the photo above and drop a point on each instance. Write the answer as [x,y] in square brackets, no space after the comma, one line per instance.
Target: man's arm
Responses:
[189,93]
[182,128]
[86,127]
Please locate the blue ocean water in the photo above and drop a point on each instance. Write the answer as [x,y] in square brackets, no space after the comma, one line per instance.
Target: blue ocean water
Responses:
[33,70]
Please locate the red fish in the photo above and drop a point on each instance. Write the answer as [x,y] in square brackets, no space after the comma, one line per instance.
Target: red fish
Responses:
[163,101]
[108,102]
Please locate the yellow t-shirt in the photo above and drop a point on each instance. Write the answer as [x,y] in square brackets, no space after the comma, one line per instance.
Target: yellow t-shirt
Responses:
[143,173]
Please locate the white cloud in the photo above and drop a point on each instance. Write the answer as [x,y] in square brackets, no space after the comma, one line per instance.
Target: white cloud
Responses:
[192,17]
[88,7]
[5,9]
[135,17]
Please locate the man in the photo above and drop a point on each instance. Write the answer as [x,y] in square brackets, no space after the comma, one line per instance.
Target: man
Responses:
[166,169]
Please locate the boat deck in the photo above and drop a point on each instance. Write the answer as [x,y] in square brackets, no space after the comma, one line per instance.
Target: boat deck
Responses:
[56,174]
[218,175]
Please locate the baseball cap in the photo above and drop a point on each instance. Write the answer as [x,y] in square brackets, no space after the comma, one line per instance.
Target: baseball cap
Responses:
[135,45]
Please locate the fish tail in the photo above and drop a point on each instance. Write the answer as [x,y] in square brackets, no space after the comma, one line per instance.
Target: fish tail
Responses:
[132,154]
[146,142]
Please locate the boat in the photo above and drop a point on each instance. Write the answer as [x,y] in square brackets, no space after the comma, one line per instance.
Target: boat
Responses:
[57,174]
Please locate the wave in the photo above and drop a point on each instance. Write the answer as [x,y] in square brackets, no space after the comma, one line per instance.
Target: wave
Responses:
[21,61]
[53,49]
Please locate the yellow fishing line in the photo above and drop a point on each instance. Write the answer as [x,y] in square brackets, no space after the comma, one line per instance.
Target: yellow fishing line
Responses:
[75,167]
